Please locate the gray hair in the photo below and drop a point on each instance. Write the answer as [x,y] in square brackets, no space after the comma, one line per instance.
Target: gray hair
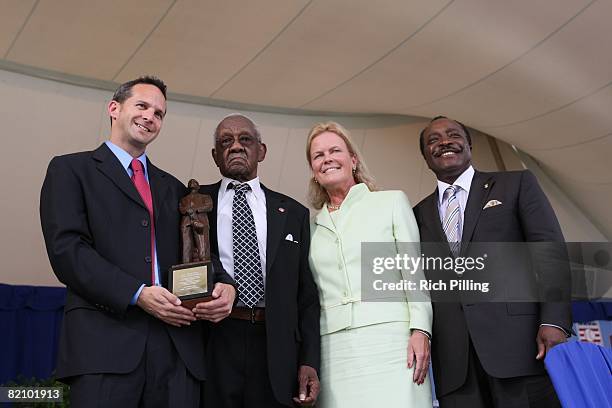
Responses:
[237,115]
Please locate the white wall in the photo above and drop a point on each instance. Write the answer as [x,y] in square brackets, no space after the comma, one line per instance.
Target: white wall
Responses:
[42,118]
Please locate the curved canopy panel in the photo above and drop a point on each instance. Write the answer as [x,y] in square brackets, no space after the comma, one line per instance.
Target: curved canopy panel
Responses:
[537,75]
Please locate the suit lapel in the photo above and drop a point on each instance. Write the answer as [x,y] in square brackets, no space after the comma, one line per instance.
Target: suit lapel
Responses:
[324,220]
[159,186]
[276,215]
[479,192]
[110,166]
[431,212]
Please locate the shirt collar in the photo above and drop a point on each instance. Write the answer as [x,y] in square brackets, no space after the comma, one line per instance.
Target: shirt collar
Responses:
[253,183]
[125,158]
[355,194]
[464,181]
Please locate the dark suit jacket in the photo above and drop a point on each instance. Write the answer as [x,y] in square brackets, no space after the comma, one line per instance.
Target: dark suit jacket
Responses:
[96,230]
[503,334]
[292,300]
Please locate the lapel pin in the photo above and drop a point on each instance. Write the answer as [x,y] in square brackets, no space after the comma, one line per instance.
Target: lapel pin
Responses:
[486,185]
[281,209]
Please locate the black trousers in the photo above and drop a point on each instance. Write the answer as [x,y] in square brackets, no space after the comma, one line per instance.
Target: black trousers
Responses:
[237,367]
[480,390]
[161,379]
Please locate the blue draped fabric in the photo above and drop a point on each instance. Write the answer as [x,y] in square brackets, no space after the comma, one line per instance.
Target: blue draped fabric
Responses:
[30,321]
[581,374]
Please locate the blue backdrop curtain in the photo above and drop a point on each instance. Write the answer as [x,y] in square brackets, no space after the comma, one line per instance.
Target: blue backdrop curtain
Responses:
[583,311]
[30,321]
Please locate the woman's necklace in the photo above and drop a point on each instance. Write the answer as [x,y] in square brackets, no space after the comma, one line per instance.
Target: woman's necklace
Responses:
[333,207]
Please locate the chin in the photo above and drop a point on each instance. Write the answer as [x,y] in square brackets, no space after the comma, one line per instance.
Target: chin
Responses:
[335,181]
[237,169]
[143,139]
[449,165]
[237,174]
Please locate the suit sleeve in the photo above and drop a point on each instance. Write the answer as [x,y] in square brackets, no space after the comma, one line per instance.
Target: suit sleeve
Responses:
[309,309]
[540,226]
[70,244]
[406,234]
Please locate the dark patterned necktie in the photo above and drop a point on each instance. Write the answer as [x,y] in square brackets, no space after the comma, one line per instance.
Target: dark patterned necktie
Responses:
[247,264]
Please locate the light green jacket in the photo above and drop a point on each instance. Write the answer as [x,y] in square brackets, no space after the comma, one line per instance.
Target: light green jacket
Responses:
[335,260]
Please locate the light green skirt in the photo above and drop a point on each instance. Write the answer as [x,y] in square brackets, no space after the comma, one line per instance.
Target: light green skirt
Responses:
[367,367]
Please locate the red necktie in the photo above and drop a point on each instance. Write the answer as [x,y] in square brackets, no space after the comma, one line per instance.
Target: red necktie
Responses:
[139,180]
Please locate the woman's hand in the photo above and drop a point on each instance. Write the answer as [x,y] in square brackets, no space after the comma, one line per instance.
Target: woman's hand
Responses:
[418,355]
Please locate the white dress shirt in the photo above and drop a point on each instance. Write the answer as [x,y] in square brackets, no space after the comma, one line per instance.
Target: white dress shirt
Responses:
[256,198]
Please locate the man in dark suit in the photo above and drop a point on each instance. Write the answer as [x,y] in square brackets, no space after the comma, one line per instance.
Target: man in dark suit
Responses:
[268,350]
[110,221]
[489,354]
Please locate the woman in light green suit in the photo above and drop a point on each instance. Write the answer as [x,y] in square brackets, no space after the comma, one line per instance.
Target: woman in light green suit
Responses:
[373,353]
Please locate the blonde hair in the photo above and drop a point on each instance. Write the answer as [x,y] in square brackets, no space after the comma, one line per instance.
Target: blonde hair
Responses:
[317,194]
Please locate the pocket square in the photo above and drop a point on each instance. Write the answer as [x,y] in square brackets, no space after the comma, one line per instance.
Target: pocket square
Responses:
[491,203]
[289,237]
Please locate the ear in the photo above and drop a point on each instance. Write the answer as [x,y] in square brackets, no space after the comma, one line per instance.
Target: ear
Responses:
[261,153]
[214,156]
[113,108]
[314,178]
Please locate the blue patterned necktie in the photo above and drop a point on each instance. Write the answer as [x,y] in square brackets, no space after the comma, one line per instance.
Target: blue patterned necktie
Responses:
[247,264]
[452,220]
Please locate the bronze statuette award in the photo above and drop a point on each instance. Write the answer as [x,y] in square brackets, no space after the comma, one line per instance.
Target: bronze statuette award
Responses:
[192,281]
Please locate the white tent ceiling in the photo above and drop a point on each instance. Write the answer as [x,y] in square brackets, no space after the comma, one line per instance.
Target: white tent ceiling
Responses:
[536,74]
